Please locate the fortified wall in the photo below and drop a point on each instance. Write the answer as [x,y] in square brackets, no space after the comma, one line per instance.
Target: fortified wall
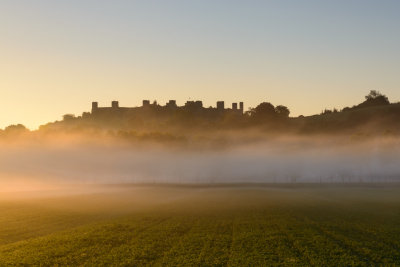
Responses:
[195,107]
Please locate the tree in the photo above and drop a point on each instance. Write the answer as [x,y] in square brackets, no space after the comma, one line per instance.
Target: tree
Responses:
[68,117]
[249,113]
[265,109]
[374,98]
[326,111]
[15,129]
[374,94]
[282,111]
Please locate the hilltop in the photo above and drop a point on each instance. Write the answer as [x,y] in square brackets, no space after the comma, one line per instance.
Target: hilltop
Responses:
[152,121]
[381,119]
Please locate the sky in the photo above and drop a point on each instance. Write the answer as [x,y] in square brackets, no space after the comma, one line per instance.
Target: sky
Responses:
[56,57]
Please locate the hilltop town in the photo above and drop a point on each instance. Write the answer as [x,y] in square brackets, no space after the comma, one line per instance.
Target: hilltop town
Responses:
[375,115]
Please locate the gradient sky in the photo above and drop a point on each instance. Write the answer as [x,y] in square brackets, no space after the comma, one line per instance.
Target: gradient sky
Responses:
[58,56]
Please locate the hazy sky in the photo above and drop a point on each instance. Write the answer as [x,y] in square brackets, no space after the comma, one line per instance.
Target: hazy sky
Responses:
[58,56]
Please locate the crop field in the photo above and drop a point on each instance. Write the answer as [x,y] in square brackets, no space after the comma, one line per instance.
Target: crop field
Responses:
[247,225]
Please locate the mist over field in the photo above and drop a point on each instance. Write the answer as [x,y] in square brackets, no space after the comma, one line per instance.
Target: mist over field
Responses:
[279,160]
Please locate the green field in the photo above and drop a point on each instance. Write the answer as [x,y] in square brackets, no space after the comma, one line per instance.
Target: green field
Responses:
[295,225]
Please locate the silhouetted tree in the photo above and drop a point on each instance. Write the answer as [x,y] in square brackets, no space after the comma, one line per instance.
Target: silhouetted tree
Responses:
[251,112]
[326,111]
[15,129]
[374,98]
[68,117]
[282,111]
[85,115]
[374,94]
[265,109]
[264,112]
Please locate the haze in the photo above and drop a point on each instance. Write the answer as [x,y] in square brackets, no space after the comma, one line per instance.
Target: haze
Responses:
[27,166]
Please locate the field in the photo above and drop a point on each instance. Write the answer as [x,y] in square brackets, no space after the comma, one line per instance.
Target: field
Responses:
[246,225]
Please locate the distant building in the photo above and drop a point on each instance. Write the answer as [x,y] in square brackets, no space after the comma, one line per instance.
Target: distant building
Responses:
[194,104]
[95,106]
[191,106]
[171,104]
[114,104]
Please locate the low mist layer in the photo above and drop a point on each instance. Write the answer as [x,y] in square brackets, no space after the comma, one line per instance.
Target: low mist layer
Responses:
[25,165]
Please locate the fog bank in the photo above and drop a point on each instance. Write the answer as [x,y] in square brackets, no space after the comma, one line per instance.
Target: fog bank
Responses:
[277,161]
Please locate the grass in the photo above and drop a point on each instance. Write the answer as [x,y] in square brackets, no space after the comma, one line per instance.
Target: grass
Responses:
[304,225]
